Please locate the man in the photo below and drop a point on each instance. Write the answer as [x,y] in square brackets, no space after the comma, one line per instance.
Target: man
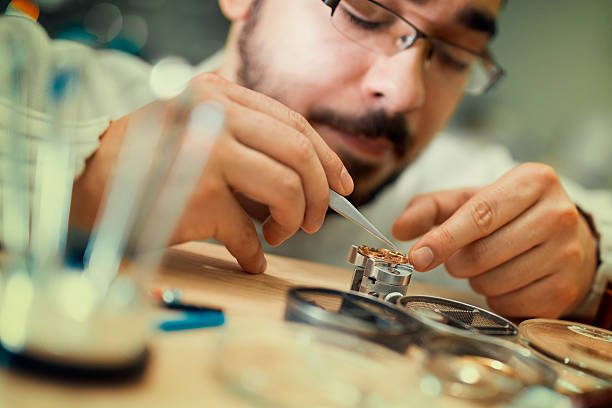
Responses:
[314,91]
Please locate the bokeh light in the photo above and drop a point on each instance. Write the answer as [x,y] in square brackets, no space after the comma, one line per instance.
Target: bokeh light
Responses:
[135,31]
[170,76]
[104,21]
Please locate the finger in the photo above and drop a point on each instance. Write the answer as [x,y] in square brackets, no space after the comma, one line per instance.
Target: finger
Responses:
[267,181]
[551,296]
[231,226]
[512,240]
[552,257]
[425,211]
[516,274]
[237,232]
[291,148]
[487,211]
[274,232]
[337,176]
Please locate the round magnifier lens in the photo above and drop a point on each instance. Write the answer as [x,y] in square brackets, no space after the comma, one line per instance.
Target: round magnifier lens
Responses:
[484,368]
[353,313]
[580,346]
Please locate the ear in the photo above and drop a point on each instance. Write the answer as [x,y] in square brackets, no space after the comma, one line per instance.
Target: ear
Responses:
[235,10]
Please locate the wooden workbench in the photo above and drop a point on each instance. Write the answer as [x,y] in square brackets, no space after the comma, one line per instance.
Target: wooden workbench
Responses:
[178,373]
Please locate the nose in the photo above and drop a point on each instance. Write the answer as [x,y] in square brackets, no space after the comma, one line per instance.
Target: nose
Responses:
[397,83]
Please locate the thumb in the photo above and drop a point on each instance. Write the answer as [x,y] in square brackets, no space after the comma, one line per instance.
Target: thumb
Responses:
[425,211]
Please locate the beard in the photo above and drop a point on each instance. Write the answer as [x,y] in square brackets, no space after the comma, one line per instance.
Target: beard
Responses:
[250,73]
[376,124]
[372,125]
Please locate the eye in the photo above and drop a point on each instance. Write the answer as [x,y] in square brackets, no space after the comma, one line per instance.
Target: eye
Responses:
[449,60]
[364,24]
[405,41]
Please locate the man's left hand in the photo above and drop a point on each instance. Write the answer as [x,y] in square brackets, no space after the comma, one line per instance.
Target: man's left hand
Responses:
[520,241]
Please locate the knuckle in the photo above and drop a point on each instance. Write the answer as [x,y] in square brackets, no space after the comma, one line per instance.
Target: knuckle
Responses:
[544,173]
[483,215]
[291,185]
[303,149]
[446,236]
[572,255]
[417,199]
[567,217]
[297,121]
[209,78]
[260,99]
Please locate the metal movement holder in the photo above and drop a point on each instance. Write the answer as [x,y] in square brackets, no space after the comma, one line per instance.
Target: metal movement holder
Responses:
[379,272]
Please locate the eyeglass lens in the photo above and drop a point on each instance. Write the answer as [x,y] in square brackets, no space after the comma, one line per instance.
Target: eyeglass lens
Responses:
[378,29]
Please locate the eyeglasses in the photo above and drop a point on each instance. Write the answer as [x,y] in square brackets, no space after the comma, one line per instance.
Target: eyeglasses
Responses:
[379,29]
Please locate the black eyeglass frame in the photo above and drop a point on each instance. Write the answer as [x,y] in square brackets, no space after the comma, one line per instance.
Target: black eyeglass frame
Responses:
[495,71]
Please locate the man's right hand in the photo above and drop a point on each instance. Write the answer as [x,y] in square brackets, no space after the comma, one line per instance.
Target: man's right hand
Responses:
[266,152]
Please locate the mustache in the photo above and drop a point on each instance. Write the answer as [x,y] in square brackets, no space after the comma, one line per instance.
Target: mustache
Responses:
[374,125]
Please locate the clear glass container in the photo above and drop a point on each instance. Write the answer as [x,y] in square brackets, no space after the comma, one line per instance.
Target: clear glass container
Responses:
[276,364]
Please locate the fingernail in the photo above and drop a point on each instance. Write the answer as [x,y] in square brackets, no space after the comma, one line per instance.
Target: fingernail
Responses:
[347,181]
[422,258]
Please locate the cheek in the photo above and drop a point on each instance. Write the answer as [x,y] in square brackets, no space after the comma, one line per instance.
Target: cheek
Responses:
[308,54]
[441,102]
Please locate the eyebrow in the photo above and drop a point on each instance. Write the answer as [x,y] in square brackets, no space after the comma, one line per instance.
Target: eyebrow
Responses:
[473,18]
[478,20]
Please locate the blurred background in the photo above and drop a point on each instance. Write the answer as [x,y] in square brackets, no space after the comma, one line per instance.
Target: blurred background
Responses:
[554,106]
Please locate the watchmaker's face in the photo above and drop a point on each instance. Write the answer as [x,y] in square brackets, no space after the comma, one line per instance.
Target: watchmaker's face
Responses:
[377,112]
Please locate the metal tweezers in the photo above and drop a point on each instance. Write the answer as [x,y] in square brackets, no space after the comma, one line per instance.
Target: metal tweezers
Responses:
[343,207]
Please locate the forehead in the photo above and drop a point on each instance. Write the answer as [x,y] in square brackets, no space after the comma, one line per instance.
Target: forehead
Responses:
[470,23]
[490,6]
[471,20]
[474,14]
